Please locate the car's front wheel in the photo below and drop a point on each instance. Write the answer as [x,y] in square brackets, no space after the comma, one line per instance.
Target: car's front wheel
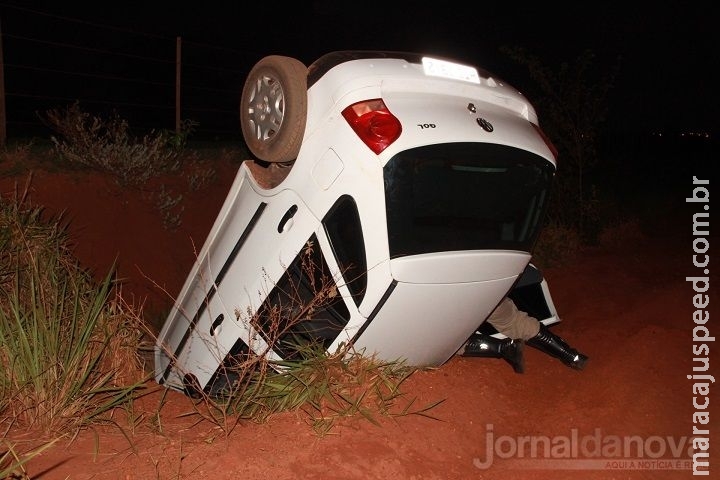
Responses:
[273,108]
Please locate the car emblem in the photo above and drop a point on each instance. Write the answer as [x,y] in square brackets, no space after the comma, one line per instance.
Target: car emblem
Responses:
[487,126]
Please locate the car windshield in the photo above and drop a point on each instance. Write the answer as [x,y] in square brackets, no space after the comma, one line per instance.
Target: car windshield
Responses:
[465,196]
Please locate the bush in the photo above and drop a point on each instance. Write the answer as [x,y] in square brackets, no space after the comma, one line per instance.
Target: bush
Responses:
[107,145]
[621,233]
[557,244]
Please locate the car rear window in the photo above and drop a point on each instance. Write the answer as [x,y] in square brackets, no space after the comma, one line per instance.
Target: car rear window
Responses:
[465,196]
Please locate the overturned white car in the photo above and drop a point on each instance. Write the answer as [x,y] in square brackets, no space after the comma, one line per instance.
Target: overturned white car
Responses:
[393,203]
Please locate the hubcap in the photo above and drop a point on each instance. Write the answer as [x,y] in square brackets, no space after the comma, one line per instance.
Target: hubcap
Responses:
[266,108]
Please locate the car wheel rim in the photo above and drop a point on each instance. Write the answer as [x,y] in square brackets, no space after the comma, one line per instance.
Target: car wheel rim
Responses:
[266,108]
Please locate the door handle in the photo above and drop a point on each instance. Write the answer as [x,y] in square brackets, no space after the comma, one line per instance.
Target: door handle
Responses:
[216,324]
[286,218]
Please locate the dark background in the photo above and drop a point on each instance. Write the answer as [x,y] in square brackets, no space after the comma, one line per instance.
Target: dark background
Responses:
[120,56]
[666,81]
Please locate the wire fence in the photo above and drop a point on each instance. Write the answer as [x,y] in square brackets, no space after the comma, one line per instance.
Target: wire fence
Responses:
[52,62]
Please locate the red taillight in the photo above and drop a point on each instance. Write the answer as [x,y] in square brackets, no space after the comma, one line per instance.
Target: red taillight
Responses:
[373,123]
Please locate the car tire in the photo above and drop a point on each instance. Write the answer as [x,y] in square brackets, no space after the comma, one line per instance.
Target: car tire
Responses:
[273,108]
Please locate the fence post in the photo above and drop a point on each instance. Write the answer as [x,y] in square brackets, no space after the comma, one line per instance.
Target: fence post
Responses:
[3,120]
[177,85]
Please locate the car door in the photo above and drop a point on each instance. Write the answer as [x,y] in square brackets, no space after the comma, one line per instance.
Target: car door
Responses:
[254,239]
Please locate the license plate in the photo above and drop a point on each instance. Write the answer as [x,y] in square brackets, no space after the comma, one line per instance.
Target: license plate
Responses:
[444,69]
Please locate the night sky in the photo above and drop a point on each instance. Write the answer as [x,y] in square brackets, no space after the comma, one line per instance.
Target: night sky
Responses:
[668,69]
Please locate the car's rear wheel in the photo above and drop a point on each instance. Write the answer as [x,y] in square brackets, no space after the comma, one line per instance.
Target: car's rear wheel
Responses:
[273,108]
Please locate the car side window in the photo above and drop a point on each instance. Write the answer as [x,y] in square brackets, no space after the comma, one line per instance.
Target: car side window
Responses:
[304,307]
[343,228]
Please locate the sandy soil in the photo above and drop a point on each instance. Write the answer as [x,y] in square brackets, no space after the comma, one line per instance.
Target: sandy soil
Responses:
[625,303]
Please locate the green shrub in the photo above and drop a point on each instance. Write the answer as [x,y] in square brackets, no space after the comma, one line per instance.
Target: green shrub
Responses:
[107,145]
[68,346]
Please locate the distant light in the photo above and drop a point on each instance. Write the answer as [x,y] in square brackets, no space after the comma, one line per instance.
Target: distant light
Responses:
[703,135]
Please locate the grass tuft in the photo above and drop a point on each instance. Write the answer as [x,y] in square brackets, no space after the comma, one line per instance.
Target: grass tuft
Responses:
[328,387]
[68,345]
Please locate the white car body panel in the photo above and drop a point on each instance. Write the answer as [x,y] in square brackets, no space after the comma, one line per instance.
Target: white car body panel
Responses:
[425,324]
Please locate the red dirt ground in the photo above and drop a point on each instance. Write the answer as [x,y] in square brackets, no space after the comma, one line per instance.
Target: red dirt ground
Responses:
[626,304]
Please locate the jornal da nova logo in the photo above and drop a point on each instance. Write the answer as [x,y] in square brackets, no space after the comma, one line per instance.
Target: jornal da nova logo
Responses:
[586,451]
